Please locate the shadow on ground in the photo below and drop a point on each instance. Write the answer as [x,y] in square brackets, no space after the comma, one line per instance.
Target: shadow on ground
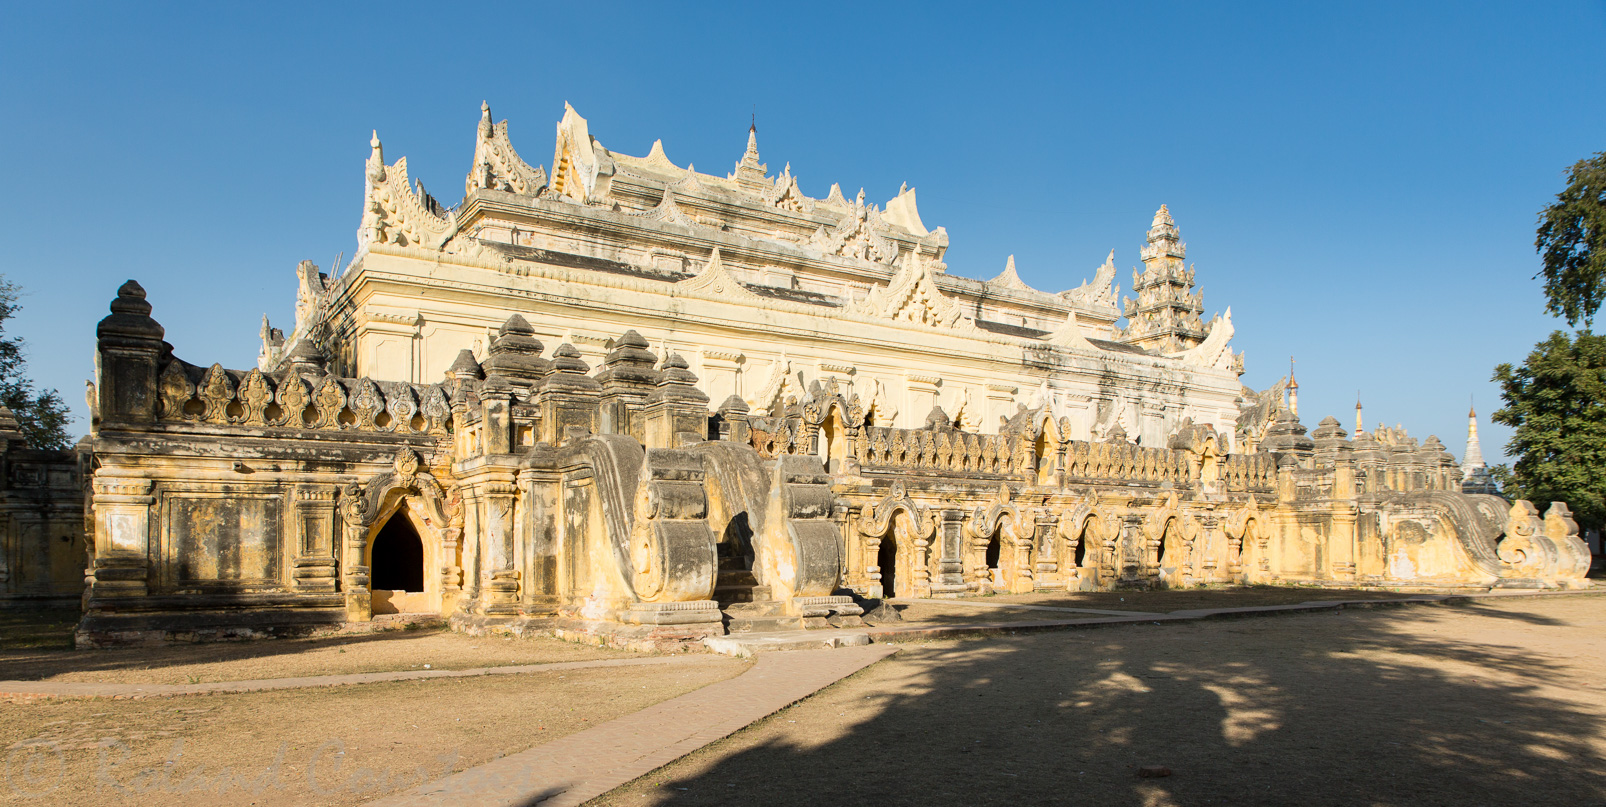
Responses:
[1351,708]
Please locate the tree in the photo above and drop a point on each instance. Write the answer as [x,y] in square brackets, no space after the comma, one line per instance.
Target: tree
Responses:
[1556,402]
[1572,242]
[42,416]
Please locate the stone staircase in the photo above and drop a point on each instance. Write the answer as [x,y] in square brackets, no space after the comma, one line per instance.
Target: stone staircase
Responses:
[748,606]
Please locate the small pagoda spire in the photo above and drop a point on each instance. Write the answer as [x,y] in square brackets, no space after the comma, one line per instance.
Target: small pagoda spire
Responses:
[1472,461]
[1358,422]
[749,171]
[1293,389]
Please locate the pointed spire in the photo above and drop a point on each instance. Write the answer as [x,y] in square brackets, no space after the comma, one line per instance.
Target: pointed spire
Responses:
[1293,389]
[749,171]
[1472,460]
[1358,422]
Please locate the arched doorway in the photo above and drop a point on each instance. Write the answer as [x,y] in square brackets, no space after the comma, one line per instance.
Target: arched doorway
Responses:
[735,580]
[993,559]
[396,568]
[887,560]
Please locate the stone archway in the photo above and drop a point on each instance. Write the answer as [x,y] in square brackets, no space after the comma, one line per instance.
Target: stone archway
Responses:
[404,499]
[397,573]
[1002,537]
[896,550]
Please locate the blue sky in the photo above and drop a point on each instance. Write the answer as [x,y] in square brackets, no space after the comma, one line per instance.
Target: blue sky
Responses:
[1359,182]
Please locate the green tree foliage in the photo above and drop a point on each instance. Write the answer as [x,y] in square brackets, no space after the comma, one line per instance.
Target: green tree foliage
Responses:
[42,415]
[1556,402]
[1572,241]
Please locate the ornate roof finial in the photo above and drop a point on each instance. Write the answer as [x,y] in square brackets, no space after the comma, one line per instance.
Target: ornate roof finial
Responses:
[750,172]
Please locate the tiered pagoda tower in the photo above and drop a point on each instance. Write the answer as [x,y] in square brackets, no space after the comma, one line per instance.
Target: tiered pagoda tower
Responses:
[1166,316]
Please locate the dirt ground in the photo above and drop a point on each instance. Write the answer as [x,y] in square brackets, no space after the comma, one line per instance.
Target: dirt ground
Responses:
[322,746]
[971,610]
[1494,703]
[286,658]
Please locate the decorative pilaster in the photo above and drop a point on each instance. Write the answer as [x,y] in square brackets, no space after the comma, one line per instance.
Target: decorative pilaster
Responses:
[314,566]
[537,530]
[353,524]
[121,565]
[502,583]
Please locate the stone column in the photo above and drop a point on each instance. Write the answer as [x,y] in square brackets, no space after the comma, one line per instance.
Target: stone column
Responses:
[951,562]
[122,537]
[502,583]
[568,402]
[1047,553]
[359,599]
[313,565]
[539,540]
[496,425]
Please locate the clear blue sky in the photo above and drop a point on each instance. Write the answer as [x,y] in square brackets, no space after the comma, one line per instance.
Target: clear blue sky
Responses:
[1359,182]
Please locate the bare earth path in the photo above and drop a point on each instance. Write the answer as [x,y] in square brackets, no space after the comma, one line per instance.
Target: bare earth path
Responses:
[1498,702]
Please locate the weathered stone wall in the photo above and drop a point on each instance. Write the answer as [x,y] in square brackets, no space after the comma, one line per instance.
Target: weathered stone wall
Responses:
[41,522]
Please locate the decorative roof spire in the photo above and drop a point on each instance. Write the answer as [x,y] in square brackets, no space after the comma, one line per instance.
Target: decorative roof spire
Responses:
[1293,388]
[1472,461]
[750,172]
[1357,413]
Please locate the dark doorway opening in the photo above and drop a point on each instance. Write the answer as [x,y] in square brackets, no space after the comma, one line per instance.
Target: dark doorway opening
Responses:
[1165,538]
[994,549]
[736,547]
[887,558]
[397,562]
[1081,548]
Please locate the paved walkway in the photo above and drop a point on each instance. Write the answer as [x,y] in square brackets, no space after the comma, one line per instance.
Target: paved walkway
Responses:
[19,690]
[573,769]
[1018,605]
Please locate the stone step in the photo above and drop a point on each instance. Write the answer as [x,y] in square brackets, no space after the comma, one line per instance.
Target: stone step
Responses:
[735,577]
[755,609]
[743,645]
[726,595]
[764,624]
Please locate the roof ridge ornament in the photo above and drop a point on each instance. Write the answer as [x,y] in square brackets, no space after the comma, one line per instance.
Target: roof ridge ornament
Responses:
[497,165]
[393,212]
[1069,334]
[1009,279]
[912,296]
[715,280]
[1101,290]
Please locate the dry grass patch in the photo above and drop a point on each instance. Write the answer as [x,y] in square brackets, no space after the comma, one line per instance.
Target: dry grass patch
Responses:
[323,746]
[288,658]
